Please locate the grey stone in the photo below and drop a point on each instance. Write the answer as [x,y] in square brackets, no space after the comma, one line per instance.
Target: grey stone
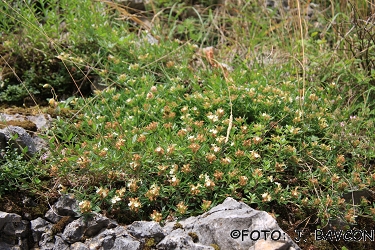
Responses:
[118,231]
[6,246]
[74,231]
[38,227]
[13,231]
[40,144]
[169,227]
[42,121]
[6,218]
[271,245]
[108,242]
[179,239]
[107,238]
[65,206]
[60,244]
[46,241]
[214,227]
[126,243]
[220,224]
[52,216]
[21,229]
[34,143]
[23,139]
[146,229]
[13,225]
[96,223]
[80,246]
[49,246]
[87,227]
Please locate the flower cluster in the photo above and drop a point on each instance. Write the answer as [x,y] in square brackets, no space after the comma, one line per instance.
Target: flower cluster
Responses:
[202,140]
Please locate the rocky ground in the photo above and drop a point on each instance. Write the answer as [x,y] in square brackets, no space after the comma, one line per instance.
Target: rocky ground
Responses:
[230,225]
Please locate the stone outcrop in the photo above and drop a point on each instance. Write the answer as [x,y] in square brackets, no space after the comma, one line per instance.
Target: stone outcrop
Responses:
[18,138]
[27,121]
[230,225]
[13,231]
[23,127]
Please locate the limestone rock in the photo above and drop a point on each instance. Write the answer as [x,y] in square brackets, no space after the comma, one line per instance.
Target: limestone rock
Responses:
[85,227]
[46,241]
[60,244]
[178,239]
[23,139]
[13,231]
[38,227]
[40,121]
[97,223]
[79,246]
[74,231]
[21,125]
[230,225]
[111,238]
[271,245]
[126,243]
[65,206]
[146,229]
[235,225]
